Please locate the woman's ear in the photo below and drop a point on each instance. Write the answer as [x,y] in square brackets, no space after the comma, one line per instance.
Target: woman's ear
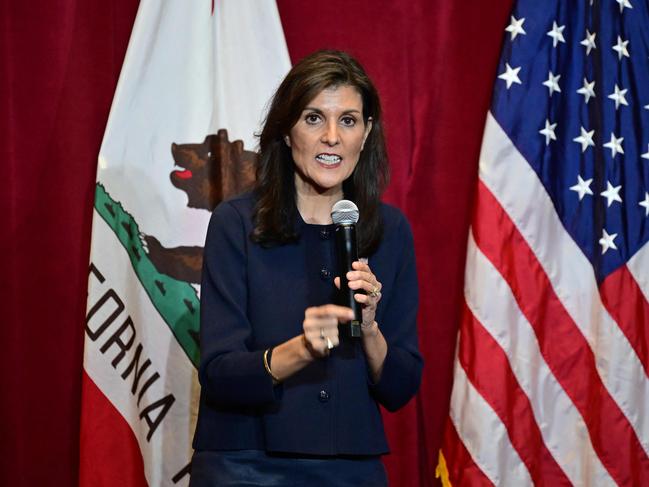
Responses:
[368,128]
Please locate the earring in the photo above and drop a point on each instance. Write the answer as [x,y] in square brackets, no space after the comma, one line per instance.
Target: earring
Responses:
[287,140]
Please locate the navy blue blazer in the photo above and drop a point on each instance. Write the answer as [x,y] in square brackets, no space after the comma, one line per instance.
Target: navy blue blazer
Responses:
[253,298]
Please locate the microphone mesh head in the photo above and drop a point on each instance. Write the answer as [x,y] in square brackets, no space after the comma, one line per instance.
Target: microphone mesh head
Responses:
[344,212]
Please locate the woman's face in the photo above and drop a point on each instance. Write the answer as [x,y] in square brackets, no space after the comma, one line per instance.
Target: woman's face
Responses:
[327,140]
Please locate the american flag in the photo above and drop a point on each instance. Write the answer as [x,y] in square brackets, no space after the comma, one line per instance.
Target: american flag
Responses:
[551,381]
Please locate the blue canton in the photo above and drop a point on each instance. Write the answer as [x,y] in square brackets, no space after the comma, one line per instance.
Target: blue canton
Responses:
[573,96]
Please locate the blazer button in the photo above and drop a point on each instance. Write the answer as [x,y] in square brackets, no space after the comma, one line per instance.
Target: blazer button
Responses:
[324,396]
[324,234]
[325,274]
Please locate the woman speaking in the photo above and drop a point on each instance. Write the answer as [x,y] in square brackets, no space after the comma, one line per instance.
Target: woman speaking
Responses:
[287,399]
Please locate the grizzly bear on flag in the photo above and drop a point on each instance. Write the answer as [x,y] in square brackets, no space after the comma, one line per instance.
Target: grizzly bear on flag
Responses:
[208,172]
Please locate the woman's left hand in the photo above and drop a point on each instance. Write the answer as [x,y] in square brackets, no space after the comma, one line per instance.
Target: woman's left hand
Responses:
[374,344]
[362,278]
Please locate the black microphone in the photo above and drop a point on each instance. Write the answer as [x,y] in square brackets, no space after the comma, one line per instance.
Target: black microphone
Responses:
[345,215]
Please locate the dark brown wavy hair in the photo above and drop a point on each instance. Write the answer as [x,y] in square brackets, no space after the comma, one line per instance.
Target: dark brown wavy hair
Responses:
[276,210]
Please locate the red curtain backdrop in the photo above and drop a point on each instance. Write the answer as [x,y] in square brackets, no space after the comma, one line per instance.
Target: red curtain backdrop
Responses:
[434,64]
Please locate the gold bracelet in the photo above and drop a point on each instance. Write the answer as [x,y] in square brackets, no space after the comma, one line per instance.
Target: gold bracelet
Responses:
[270,372]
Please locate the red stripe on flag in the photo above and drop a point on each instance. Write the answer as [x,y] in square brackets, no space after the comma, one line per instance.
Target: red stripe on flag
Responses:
[488,369]
[110,454]
[462,470]
[626,304]
[562,344]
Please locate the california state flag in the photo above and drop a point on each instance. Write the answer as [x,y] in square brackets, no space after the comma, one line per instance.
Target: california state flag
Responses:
[179,139]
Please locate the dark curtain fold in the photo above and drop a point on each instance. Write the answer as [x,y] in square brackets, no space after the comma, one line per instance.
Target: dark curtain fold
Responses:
[59,68]
[434,64]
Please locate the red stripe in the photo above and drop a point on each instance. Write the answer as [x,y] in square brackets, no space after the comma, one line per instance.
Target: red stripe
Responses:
[562,345]
[488,369]
[462,470]
[626,304]
[110,454]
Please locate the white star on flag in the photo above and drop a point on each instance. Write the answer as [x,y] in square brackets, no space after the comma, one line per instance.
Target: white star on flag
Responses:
[510,75]
[585,139]
[646,154]
[582,187]
[615,145]
[645,203]
[607,241]
[552,83]
[516,27]
[588,90]
[620,47]
[548,131]
[611,194]
[589,41]
[619,97]
[557,34]
[624,3]
[646,107]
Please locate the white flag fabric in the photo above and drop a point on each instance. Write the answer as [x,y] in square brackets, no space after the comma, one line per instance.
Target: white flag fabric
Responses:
[192,91]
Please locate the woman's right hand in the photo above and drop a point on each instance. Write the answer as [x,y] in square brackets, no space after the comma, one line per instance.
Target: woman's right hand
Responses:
[321,327]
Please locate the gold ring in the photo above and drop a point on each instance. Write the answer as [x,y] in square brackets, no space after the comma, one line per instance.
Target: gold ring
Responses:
[375,292]
[330,345]
[322,335]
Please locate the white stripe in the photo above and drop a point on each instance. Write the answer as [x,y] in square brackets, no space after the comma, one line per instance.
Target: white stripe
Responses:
[638,266]
[250,62]
[564,432]
[169,449]
[520,192]
[484,435]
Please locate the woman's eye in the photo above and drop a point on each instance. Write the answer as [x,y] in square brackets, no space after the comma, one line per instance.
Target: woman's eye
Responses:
[312,118]
[348,121]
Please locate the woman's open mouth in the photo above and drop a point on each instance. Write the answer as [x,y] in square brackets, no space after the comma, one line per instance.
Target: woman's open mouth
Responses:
[329,160]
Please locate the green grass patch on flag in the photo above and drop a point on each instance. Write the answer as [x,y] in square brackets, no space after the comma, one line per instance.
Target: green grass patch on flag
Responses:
[176,301]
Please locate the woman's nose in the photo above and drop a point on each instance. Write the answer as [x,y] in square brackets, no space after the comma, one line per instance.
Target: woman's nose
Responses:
[330,135]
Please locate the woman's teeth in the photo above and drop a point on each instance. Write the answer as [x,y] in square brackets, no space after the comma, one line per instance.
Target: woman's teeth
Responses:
[328,159]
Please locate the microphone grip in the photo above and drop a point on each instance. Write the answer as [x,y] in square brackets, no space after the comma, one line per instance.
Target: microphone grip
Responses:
[347,253]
